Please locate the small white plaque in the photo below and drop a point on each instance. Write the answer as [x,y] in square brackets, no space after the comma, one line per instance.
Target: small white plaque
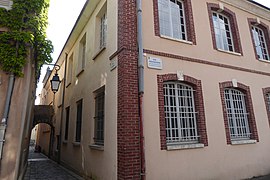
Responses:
[113,64]
[154,63]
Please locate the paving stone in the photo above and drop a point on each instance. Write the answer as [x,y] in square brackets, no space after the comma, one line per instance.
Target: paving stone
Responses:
[42,168]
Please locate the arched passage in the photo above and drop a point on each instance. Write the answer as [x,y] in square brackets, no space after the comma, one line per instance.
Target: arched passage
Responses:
[43,118]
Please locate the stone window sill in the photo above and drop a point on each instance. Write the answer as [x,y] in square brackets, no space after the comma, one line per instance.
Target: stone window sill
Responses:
[99,52]
[178,40]
[230,52]
[263,60]
[65,142]
[76,144]
[96,147]
[239,142]
[184,146]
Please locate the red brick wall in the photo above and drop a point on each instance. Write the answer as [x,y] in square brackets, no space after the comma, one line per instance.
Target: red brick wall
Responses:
[199,107]
[233,24]
[265,29]
[251,118]
[128,141]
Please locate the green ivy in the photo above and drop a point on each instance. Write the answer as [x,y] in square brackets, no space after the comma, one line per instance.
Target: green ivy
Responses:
[25,36]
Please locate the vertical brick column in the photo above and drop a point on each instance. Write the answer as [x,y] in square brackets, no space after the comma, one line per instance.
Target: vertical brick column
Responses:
[128,134]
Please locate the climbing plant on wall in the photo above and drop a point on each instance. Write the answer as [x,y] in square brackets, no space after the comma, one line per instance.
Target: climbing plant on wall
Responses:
[24,35]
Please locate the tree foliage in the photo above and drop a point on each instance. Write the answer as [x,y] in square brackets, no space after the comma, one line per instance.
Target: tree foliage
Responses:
[25,35]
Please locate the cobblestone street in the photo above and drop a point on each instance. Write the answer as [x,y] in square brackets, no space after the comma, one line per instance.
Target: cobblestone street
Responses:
[42,168]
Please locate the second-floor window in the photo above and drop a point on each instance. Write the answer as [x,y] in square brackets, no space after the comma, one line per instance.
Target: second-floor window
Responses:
[224,29]
[172,19]
[223,32]
[103,31]
[260,43]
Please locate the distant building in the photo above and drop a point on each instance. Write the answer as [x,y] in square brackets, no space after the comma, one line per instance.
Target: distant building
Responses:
[205,99]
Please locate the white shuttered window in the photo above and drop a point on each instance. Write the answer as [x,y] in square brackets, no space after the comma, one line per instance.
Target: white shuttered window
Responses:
[172,19]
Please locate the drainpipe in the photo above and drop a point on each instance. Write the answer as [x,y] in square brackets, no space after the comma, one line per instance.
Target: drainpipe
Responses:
[62,111]
[6,112]
[141,83]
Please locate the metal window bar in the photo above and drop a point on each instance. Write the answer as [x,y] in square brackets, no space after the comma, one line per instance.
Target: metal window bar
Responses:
[223,32]
[103,30]
[99,119]
[260,43]
[268,101]
[180,115]
[237,114]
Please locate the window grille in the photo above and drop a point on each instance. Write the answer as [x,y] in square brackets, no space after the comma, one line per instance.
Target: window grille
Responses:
[223,33]
[67,123]
[180,115]
[103,31]
[237,114]
[268,101]
[172,19]
[260,43]
[99,118]
[79,121]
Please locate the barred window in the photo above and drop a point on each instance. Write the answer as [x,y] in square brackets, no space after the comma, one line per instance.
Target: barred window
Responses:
[237,114]
[103,31]
[172,19]
[99,117]
[222,32]
[79,121]
[260,43]
[268,101]
[180,114]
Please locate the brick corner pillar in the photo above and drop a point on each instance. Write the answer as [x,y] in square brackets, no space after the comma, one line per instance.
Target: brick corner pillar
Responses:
[128,131]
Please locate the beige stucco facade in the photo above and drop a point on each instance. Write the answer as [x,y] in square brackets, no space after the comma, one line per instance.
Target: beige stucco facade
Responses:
[216,160]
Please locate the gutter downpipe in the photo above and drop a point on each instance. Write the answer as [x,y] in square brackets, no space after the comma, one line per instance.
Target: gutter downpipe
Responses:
[62,110]
[6,110]
[141,83]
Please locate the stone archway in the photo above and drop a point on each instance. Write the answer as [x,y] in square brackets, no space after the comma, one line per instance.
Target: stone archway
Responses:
[44,114]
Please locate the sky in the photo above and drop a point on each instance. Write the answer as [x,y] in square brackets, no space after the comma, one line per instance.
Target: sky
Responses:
[62,17]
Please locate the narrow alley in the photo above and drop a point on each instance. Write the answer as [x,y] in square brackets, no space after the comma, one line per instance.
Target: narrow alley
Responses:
[41,167]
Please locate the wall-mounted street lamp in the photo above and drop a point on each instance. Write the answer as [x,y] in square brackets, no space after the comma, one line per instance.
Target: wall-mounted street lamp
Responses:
[55,81]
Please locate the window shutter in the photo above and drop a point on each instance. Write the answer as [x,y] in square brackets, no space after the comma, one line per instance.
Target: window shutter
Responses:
[7,4]
[164,17]
[176,25]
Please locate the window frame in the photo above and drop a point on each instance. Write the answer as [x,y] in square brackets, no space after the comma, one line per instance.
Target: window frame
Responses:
[182,93]
[266,92]
[103,31]
[222,45]
[199,106]
[249,108]
[99,103]
[212,7]
[79,118]
[265,29]
[189,25]
[82,55]
[67,110]
[237,114]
